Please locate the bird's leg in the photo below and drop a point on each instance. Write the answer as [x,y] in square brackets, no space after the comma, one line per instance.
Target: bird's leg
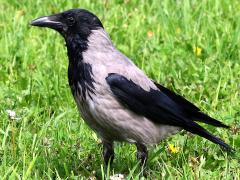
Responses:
[142,155]
[108,152]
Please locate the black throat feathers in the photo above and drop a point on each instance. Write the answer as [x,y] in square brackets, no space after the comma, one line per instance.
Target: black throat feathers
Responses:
[80,75]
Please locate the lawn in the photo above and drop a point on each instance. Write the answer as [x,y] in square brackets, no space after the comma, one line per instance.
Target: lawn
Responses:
[190,46]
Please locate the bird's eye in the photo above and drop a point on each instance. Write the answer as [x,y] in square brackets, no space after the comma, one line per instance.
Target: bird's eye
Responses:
[71,20]
[84,19]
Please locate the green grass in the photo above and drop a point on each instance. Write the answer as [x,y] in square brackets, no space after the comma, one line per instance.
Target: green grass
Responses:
[50,140]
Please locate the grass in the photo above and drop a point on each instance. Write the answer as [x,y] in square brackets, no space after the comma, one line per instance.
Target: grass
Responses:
[49,140]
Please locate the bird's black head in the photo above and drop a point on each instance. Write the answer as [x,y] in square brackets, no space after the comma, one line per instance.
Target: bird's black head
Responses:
[70,23]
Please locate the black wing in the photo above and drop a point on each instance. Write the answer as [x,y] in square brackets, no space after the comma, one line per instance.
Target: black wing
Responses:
[190,109]
[162,107]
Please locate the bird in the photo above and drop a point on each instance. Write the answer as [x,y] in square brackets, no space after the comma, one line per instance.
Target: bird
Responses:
[116,99]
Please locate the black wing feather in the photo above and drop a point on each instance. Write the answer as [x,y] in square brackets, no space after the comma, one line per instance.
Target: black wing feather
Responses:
[190,109]
[162,107]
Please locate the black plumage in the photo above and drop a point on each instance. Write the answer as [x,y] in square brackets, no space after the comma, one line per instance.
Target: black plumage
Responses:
[190,110]
[162,107]
[78,71]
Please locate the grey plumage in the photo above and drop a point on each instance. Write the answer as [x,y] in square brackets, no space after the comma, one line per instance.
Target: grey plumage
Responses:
[115,98]
[103,113]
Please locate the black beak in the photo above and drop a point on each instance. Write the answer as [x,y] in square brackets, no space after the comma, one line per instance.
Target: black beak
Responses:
[48,21]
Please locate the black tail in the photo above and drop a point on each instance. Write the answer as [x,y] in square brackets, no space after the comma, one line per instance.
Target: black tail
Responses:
[193,113]
[197,129]
[190,110]
[201,117]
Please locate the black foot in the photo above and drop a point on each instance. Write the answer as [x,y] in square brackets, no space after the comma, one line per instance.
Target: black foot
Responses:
[108,152]
[142,156]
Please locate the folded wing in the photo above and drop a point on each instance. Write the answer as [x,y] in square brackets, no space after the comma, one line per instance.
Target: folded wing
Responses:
[162,107]
[190,109]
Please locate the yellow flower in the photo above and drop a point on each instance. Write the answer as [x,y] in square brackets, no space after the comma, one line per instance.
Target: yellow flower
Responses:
[178,30]
[19,14]
[197,51]
[173,149]
[125,25]
[150,34]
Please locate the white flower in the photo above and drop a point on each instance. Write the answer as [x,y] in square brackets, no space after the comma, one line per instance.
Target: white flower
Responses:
[11,114]
[117,177]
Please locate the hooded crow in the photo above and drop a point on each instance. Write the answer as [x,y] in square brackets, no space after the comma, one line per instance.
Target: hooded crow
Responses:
[115,98]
